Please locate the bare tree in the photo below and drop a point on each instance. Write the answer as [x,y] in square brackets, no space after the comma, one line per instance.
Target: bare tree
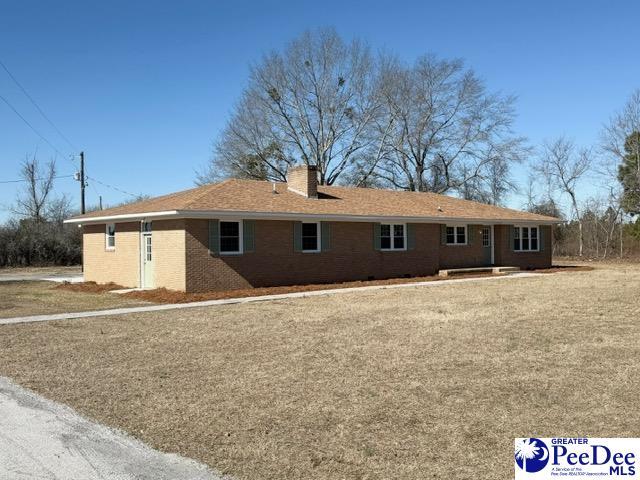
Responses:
[315,103]
[563,166]
[620,127]
[619,144]
[33,202]
[449,133]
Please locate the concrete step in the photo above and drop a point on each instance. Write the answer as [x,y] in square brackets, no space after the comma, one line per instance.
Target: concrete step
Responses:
[461,271]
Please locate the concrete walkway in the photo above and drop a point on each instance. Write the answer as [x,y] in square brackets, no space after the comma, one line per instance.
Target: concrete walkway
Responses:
[43,439]
[263,298]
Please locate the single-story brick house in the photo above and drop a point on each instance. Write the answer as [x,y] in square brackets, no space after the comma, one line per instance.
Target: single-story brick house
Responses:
[246,233]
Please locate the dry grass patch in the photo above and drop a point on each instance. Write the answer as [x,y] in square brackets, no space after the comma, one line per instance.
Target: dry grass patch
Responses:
[52,270]
[403,384]
[38,298]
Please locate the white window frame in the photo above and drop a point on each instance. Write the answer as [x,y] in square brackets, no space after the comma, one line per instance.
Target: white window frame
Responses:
[455,235]
[319,238]
[107,236]
[528,228]
[240,250]
[488,237]
[391,229]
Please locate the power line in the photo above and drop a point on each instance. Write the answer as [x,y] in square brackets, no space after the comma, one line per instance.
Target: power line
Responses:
[69,157]
[112,187]
[37,106]
[31,126]
[37,179]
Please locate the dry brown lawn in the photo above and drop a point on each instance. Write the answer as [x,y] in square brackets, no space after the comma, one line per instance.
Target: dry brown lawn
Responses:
[425,382]
[37,298]
[74,269]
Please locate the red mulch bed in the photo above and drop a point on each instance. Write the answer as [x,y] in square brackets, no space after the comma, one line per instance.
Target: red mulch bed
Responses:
[162,295]
[89,287]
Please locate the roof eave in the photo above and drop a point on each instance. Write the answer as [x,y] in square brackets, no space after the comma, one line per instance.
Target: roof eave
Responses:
[303,216]
[122,217]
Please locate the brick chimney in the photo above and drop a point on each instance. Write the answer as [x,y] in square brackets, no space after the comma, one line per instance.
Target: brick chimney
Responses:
[303,180]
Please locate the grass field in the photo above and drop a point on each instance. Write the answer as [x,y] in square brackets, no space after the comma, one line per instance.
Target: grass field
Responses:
[431,382]
[37,298]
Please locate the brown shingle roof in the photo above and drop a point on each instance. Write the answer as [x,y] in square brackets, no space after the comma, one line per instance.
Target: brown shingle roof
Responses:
[257,197]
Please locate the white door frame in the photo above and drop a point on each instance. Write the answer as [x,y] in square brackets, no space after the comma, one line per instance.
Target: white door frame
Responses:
[143,252]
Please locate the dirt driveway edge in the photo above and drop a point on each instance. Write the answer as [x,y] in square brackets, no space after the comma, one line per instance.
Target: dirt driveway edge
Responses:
[43,439]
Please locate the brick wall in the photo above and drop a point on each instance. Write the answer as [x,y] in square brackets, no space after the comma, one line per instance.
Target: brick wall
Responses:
[471,255]
[274,261]
[169,262]
[182,260]
[506,256]
[121,265]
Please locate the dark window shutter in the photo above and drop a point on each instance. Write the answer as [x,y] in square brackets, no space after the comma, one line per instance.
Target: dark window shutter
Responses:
[248,235]
[443,234]
[541,232]
[376,236]
[325,236]
[411,236]
[511,236]
[297,236]
[214,237]
[472,233]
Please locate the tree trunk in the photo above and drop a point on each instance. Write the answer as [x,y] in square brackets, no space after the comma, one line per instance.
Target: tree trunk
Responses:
[581,240]
[621,233]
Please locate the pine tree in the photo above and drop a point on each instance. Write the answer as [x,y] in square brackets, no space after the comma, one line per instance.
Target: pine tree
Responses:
[629,174]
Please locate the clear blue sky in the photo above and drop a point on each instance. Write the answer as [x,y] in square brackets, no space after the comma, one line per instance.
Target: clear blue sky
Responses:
[144,87]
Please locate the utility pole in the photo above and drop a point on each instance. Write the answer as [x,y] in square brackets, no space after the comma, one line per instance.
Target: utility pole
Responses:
[82,182]
[100,202]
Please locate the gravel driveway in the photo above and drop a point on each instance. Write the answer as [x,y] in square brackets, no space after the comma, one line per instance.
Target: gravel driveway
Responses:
[43,439]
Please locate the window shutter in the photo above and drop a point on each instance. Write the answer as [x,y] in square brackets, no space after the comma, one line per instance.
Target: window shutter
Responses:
[297,236]
[248,235]
[214,237]
[443,234]
[411,236]
[325,236]
[376,236]
[471,234]
[541,231]
[511,237]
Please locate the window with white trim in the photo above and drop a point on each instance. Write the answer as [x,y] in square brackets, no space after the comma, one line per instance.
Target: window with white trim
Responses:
[311,236]
[110,236]
[230,237]
[393,236]
[526,239]
[486,236]
[456,234]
